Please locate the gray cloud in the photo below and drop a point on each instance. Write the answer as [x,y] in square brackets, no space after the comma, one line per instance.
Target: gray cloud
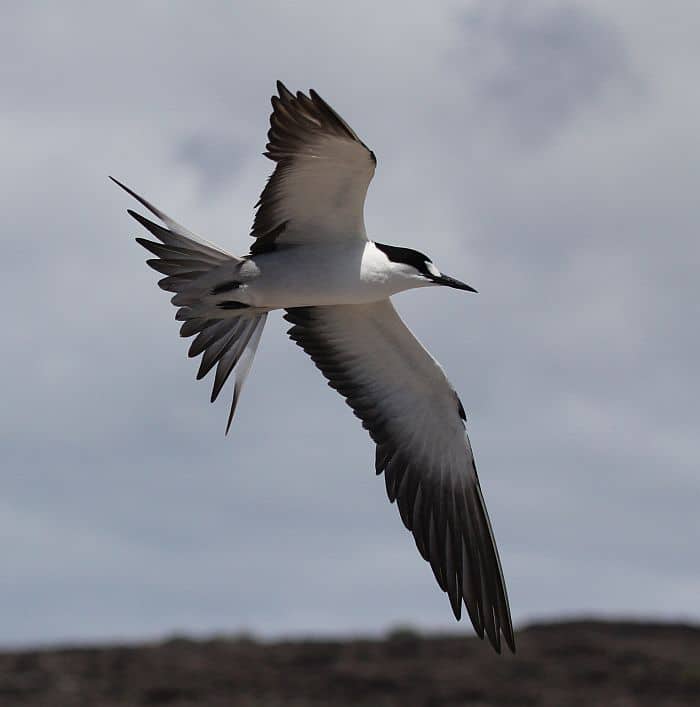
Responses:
[214,158]
[125,511]
[534,66]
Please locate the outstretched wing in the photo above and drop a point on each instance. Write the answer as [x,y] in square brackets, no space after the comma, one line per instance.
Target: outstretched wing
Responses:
[416,419]
[317,191]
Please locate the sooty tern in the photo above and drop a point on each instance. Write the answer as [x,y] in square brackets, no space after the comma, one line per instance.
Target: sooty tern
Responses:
[312,258]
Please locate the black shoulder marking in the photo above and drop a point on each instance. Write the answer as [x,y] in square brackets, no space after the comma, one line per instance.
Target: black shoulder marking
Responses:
[406,255]
[268,243]
[231,304]
[225,287]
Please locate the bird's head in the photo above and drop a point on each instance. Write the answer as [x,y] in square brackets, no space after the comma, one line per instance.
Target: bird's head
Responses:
[418,267]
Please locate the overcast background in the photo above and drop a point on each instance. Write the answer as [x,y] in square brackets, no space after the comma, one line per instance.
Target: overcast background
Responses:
[545,152]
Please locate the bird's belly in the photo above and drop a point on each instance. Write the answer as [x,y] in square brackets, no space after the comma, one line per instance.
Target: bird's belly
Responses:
[300,282]
[324,291]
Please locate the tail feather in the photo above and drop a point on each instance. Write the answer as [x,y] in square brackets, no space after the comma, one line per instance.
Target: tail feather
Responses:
[244,365]
[225,337]
[176,229]
[172,239]
[173,252]
[216,349]
[231,356]
[220,329]
[178,266]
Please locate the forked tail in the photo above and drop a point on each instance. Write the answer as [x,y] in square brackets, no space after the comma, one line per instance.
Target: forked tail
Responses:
[227,336]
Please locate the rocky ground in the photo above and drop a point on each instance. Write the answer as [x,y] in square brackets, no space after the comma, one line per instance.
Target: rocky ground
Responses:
[610,664]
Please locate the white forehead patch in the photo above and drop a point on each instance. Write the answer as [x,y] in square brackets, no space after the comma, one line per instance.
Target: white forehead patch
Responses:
[433,270]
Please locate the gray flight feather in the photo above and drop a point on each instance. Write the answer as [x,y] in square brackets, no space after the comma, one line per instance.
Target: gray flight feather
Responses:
[414,416]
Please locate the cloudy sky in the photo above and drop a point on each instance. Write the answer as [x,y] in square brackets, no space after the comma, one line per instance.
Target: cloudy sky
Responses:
[546,152]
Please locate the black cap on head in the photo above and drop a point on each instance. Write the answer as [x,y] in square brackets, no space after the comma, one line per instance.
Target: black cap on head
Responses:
[420,262]
[408,256]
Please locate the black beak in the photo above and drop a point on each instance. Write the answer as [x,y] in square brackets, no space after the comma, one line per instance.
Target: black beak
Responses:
[451,282]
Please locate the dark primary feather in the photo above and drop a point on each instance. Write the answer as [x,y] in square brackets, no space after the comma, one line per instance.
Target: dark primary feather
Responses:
[297,125]
[443,507]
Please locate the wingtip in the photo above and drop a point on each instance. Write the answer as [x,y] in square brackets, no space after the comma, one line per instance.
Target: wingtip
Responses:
[456,605]
[510,640]
[283,91]
[496,643]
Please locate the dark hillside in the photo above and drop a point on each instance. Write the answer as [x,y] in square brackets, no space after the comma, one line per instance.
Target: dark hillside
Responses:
[577,663]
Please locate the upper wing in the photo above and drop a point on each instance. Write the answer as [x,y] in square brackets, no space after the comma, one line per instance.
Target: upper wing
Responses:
[317,191]
[416,419]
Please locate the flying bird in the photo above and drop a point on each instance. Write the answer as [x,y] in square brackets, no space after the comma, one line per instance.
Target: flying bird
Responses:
[312,258]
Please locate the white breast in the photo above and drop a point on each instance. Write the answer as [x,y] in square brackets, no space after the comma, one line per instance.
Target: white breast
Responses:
[345,273]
